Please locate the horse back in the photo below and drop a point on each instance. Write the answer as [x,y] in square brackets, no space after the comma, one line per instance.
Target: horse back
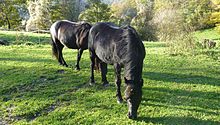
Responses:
[114,44]
[107,42]
[69,34]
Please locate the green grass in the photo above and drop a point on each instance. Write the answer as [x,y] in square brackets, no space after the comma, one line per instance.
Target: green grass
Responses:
[208,34]
[34,89]
[25,38]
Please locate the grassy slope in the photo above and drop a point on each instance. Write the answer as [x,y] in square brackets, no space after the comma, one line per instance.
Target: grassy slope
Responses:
[17,38]
[208,34]
[35,90]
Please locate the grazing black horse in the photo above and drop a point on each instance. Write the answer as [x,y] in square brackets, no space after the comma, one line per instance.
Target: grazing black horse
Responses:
[120,47]
[72,35]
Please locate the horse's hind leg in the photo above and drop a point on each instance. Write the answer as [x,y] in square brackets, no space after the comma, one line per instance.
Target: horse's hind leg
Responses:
[118,82]
[80,51]
[56,49]
[92,65]
[60,54]
[103,67]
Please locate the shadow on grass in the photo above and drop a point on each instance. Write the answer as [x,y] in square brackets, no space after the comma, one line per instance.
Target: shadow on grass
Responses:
[55,84]
[177,121]
[181,78]
[178,97]
[22,59]
[50,84]
[188,109]
[60,86]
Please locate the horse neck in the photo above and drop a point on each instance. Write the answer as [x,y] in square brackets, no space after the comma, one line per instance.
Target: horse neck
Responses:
[135,56]
[133,69]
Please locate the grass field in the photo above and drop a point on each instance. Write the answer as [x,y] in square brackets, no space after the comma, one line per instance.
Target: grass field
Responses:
[34,89]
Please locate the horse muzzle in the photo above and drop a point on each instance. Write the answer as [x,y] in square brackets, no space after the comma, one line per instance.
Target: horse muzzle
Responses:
[132,115]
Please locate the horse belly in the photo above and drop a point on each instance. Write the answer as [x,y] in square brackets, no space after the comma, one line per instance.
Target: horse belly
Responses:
[105,56]
[69,43]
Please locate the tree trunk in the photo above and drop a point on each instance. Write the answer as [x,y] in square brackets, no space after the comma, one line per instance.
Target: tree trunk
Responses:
[8,22]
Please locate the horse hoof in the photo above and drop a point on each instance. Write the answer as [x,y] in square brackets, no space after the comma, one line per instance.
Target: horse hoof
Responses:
[119,101]
[92,83]
[77,68]
[106,84]
[130,116]
[65,65]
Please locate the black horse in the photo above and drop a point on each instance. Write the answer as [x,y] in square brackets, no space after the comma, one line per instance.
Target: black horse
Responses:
[72,35]
[120,47]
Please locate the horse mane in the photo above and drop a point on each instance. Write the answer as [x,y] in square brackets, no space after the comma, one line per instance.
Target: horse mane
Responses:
[135,53]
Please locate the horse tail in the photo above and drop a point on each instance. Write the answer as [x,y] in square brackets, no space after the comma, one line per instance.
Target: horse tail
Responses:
[53,33]
[97,64]
[54,48]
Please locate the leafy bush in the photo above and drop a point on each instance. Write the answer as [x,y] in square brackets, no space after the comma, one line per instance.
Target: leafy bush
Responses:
[215,16]
[142,21]
[196,13]
[172,29]
[97,12]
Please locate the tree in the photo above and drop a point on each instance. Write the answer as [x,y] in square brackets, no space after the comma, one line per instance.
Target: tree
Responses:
[97,12]
[65,9]
[45,12]
[171,26]
[215,15]
[9,13]
[124,11]
[38,11]
[142,20]
[196,13]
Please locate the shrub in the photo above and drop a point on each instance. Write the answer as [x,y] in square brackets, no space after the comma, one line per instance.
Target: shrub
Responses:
[142,21]
[172,30]
[98,12]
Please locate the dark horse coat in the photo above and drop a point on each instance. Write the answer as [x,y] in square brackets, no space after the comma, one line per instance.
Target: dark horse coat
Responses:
[70,34]
[120,47]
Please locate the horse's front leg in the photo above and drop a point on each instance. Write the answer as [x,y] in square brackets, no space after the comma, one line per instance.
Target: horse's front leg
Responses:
[80,51]
[103,67]
[118,82]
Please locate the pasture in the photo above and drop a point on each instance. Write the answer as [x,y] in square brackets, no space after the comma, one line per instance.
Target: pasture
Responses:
[34,89]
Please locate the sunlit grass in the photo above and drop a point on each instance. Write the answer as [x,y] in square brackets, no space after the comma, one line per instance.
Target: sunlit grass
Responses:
[26,38]
[34,89]
[208,34]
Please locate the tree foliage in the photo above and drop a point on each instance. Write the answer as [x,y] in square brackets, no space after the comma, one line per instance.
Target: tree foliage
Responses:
[196,13]
[9,13]
[44,12]
[97,12]
[38,11]
[215,15]
[142,20]
[171,26]
[153,19]
[124,11]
